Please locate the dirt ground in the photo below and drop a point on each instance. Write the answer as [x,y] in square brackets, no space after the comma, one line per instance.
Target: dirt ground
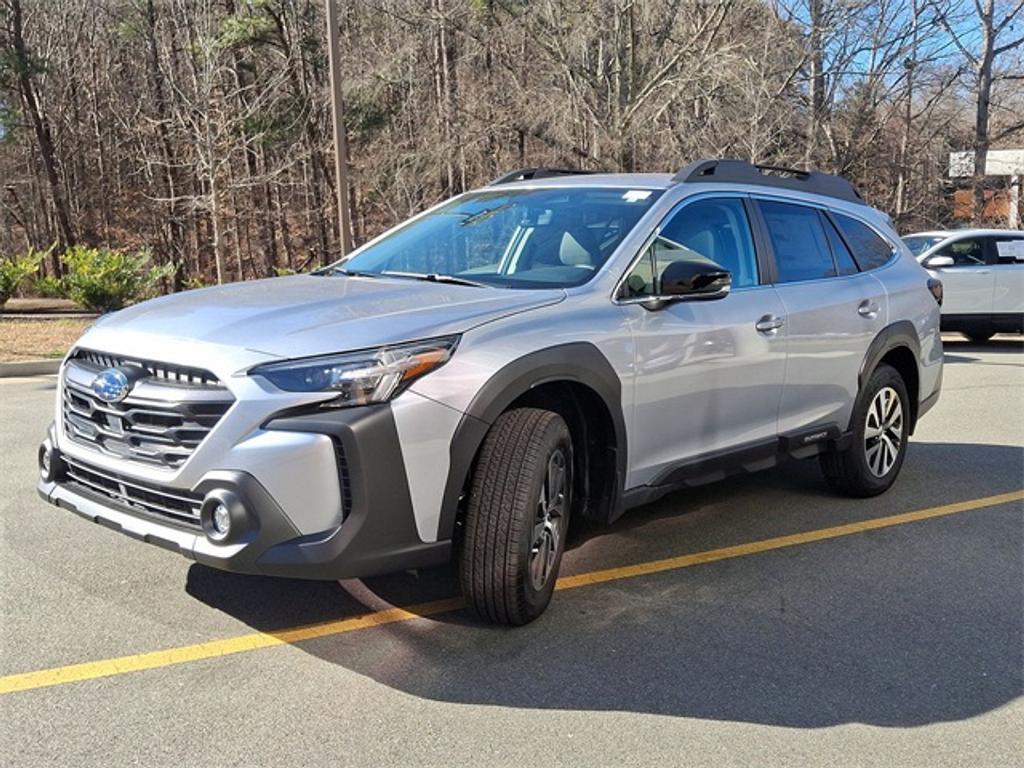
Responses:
[26,339]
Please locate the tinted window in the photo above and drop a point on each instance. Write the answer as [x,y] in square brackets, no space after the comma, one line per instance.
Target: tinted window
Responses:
[512,238]
[798,238]
[869,250]
[969,252]
[714,230]
[844,260]
[1008,250]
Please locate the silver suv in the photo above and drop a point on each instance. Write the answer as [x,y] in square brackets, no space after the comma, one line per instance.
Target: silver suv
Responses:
[554,345]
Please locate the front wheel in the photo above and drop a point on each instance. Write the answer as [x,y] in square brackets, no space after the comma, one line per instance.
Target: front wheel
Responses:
[881,427]
[517,516]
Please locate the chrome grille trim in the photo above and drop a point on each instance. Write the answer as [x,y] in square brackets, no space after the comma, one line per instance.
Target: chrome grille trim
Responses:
[162,371]
[178,506]
[161,422]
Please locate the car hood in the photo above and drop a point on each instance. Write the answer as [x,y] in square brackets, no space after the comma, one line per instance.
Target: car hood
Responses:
[305,315]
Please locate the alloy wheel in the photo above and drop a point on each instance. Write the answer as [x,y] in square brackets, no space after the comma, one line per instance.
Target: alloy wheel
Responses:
[548,522]
[883,431]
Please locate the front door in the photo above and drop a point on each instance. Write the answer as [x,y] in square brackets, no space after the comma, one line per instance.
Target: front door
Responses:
[707,379]
[968,285]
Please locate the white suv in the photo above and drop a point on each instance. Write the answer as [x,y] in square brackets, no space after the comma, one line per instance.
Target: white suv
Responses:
[982,273]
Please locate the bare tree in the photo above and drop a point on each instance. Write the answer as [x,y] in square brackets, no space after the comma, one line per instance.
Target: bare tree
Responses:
[982,49]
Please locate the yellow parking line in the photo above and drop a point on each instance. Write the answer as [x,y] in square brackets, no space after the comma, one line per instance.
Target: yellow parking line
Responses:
[254,641]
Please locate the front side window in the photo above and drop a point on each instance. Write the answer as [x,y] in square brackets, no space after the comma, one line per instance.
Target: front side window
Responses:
[525,238]
[969,252]
[869,250]
[714,230]
[799,241]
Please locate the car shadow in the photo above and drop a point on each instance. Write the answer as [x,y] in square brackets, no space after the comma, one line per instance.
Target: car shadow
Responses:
[917,625]
[962,350]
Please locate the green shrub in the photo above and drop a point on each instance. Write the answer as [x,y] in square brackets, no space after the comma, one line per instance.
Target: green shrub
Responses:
[13,271]
[47,287]
[103,280]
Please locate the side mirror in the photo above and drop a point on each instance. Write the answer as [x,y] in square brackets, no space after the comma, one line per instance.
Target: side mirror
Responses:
[694,279]
[937,262]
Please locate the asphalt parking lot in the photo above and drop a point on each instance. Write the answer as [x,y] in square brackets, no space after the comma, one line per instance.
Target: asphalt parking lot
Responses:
[818,631]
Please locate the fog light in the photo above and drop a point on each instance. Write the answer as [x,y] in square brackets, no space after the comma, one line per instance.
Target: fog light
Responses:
[221,520]
[223,517]
[49,463]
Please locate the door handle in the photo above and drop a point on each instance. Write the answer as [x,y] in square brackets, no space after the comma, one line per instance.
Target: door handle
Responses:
[769,324]
[868,309]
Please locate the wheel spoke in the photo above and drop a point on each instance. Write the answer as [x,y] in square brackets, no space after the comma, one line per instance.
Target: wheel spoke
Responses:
[555,483]
[873,453]
[538,532]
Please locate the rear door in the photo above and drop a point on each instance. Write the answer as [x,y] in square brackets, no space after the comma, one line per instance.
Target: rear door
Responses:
[968,285]
[833,312]
[1007,259]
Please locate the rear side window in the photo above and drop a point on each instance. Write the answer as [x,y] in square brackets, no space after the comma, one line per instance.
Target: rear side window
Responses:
[1009,250]
[799,241]
[869,250]
[844,259]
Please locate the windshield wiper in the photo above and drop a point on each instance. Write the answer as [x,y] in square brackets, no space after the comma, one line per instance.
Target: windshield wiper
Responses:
[346,272]
[484,215]
[434,277]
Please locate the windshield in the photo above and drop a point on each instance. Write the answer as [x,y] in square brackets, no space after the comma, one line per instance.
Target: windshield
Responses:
[529,238]
[918,244]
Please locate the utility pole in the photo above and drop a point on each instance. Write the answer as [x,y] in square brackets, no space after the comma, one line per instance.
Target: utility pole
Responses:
[340,139]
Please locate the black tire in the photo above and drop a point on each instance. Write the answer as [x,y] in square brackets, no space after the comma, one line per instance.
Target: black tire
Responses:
[504,512]
[848,471]
[979,337]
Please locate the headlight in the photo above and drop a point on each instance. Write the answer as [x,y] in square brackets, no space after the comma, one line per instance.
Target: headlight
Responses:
[360,378]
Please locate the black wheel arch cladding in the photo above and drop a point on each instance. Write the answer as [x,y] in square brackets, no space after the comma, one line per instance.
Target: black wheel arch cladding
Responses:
[899,335]
[579,363]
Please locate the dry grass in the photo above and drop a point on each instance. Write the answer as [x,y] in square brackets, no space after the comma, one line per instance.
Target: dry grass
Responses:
[24,339]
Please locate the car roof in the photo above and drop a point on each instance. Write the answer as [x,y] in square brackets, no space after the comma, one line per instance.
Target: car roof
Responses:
[665,181]
[947,233]
[615,180]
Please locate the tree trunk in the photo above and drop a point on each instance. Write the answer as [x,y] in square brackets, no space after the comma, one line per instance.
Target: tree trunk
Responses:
[41,126]
[984,94]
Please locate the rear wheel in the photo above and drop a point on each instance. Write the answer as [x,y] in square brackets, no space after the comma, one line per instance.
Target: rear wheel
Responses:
[880,428]
[517,516]
[979,337]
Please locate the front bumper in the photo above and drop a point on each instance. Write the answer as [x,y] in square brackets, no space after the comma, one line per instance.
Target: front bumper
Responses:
[377,534]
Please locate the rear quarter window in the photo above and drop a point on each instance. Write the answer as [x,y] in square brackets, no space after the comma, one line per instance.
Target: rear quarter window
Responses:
[869,250]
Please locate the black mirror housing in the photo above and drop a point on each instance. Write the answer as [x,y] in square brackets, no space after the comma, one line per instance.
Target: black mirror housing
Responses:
[692,279]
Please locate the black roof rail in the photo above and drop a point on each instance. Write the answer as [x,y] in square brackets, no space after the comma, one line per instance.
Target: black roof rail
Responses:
[527,174]
[742,172]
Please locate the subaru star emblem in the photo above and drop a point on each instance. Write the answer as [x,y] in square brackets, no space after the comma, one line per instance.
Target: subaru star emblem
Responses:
[111,386]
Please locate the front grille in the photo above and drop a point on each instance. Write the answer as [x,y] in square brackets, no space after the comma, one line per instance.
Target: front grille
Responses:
[162,371]
[176,506]
[168,413]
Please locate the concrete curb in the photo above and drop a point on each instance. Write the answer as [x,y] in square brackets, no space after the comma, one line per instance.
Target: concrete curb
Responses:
[29,368]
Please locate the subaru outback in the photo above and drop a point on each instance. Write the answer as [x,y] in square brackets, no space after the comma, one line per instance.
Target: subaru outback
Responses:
[557,345]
